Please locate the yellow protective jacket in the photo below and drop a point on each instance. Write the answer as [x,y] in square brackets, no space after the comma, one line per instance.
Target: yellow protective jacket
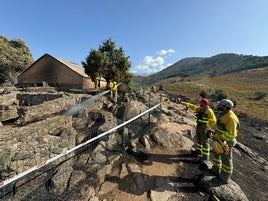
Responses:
[227,126]
[110,85]
[114,87]
[206,117]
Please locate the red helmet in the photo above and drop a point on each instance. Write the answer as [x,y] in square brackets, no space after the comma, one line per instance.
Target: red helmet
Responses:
[204,101]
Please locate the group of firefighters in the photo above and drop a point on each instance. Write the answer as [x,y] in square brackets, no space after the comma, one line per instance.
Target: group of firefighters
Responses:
[222,129]
[112,86]
[113,89]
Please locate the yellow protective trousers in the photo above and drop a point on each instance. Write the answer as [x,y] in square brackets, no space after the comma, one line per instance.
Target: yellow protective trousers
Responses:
[202,145]
[223,163]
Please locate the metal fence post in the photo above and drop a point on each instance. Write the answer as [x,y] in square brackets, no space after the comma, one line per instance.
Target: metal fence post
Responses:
[160,103]
[140,117]
[123,135]
[149,113]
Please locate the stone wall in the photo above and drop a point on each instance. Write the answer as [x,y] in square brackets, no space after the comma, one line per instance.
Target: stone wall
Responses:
[30,99]
[24,147]
[24,106]
[39,130]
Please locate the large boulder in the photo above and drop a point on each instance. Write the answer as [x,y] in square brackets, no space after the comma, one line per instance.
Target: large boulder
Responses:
[224,192]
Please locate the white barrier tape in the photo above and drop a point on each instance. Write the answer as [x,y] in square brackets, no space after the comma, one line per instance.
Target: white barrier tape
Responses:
[43,163]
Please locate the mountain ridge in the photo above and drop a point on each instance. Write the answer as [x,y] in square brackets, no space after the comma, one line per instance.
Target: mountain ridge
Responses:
[199,67]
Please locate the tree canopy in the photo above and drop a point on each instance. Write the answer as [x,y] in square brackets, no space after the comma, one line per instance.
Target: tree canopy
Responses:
[108,62]
[15,56]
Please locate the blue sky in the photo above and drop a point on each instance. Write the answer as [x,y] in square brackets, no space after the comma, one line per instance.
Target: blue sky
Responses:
[153,33]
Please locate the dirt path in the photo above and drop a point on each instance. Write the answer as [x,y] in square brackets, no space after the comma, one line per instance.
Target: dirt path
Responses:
[162,164]
[182,169]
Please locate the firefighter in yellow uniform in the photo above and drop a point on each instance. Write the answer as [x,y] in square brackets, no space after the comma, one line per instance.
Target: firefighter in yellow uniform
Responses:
[97,83]
[110,85]
[225,139]
[205,120]
[114,92]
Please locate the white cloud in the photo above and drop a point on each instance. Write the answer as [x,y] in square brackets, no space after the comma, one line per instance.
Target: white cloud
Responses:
[149,65]
[152,65]
[164,52]
[150,61]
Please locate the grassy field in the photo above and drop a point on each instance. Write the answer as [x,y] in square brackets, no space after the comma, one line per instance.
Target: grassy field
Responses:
[248,88]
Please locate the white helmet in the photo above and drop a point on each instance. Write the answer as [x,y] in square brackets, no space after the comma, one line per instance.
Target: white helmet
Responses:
[226,102]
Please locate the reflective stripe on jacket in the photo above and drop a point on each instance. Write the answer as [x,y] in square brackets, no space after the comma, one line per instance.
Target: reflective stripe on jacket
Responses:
[110,85]
[206,117]
[227,126]
[114,87]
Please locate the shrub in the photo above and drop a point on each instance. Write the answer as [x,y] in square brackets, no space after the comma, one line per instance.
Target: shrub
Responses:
[203,94]
[220,94]
[260,95]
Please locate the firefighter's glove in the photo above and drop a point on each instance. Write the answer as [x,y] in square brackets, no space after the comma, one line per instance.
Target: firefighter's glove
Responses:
[218,137]
[226,148]
[210,132]
[185,104]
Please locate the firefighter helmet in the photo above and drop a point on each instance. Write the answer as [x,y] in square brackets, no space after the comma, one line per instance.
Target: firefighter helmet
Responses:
[204,101]
[226,102]
[217,147]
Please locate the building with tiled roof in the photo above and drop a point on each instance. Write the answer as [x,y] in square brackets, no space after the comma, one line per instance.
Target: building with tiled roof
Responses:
[57,73]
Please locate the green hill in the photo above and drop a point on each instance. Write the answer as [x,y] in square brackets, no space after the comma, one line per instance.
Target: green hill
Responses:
[242,78]
[248,88]
[198,67]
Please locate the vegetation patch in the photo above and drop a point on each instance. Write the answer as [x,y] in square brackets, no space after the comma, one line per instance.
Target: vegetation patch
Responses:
[248,89]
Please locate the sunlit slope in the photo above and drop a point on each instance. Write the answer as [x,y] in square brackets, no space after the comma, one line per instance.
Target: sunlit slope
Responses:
[248,88]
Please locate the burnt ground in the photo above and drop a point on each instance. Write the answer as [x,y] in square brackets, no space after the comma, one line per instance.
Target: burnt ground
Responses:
[183,169]
[249,172]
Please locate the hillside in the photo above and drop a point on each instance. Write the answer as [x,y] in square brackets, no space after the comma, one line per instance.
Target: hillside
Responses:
[198,67]
[249,89]
[243,78]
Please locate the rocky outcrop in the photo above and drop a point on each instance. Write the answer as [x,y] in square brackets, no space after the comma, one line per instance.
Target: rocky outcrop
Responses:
[106,169]
[8,112]
[224,192]
[45,110]
[8,106]
[24,147]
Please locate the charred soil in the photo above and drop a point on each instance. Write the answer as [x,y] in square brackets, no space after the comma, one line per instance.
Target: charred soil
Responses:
[184,169]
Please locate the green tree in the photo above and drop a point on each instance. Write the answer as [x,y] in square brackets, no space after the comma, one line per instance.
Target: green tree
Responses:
[108,62]
[220,94]
[95,63]
[15,56]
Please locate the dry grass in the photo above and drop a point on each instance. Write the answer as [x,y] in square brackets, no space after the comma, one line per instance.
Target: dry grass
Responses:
[243,87]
